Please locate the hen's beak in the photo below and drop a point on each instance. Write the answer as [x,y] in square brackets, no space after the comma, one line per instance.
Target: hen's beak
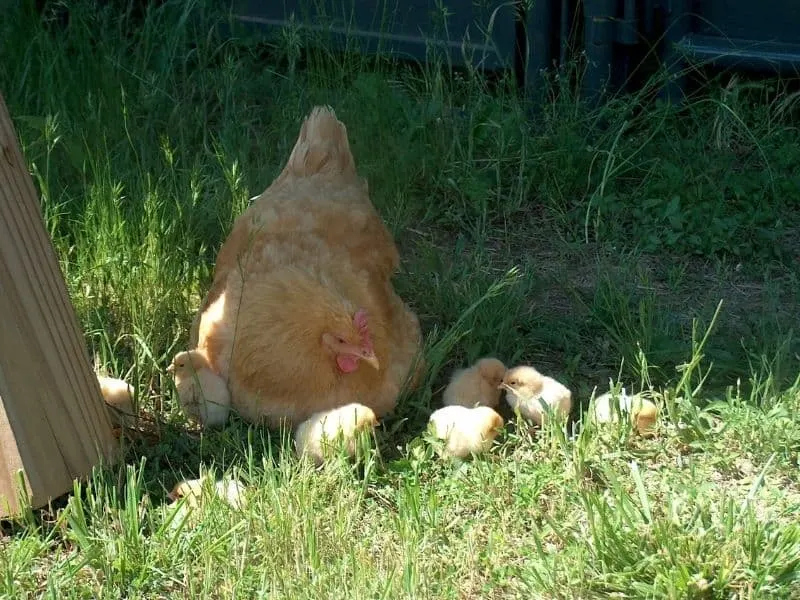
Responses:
[367,355]
[372,361]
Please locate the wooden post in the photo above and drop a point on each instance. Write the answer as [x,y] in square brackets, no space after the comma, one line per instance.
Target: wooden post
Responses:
[53,421]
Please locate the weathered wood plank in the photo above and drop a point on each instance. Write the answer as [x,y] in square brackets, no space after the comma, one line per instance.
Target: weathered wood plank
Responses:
[53,420]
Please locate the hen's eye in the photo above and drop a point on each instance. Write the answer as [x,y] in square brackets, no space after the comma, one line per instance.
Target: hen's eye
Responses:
[340,340]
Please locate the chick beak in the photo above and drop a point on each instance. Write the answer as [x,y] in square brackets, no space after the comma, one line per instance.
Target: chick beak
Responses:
[171,368]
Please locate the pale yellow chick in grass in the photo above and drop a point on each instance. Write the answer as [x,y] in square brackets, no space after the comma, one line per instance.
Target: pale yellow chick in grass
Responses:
[526,389]
[317,436]
[203,395]
[478,385]
[231,491]
[465,431]
[118,395]
[641,411]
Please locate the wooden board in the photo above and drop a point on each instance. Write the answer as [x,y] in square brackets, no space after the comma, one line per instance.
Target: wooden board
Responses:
[53,420]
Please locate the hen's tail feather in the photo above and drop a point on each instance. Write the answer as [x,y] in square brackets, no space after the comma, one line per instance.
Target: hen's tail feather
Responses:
[321,147]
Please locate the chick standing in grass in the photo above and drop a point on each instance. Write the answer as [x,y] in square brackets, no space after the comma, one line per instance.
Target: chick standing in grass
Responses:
[231,491]
[465,430]
[320,431]
[203,395]
[187,498]
[476,386]
[526,390]
[641,411]
[118,395]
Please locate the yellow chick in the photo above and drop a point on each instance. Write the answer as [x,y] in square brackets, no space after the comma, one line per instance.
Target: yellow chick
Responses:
[231,491]
[118,395]
[476,386]
[526,389]
[641,411]
[318,434]
[203,395]
[465,430]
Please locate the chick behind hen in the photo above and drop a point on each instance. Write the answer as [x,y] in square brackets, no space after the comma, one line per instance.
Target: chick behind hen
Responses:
[202,393]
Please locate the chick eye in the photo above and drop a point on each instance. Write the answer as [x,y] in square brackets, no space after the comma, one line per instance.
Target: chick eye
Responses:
[340,340]
[180,365]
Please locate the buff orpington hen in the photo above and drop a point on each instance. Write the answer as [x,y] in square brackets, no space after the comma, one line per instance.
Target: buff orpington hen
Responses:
[301,315]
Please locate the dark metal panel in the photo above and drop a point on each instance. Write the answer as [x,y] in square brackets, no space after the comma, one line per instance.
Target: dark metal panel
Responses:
[775,21]
[478,32]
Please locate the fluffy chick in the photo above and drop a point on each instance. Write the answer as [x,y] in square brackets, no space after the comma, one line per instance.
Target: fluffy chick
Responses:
[203,395]
[526,389]
[641,411]
[465,430]
[118,395]
[315,436]
[231,491]
[478,385]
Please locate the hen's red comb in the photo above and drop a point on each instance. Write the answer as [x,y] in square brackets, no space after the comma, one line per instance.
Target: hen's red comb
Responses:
[361,322]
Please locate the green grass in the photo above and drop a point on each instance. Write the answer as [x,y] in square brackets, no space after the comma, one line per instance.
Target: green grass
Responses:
[594,243]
